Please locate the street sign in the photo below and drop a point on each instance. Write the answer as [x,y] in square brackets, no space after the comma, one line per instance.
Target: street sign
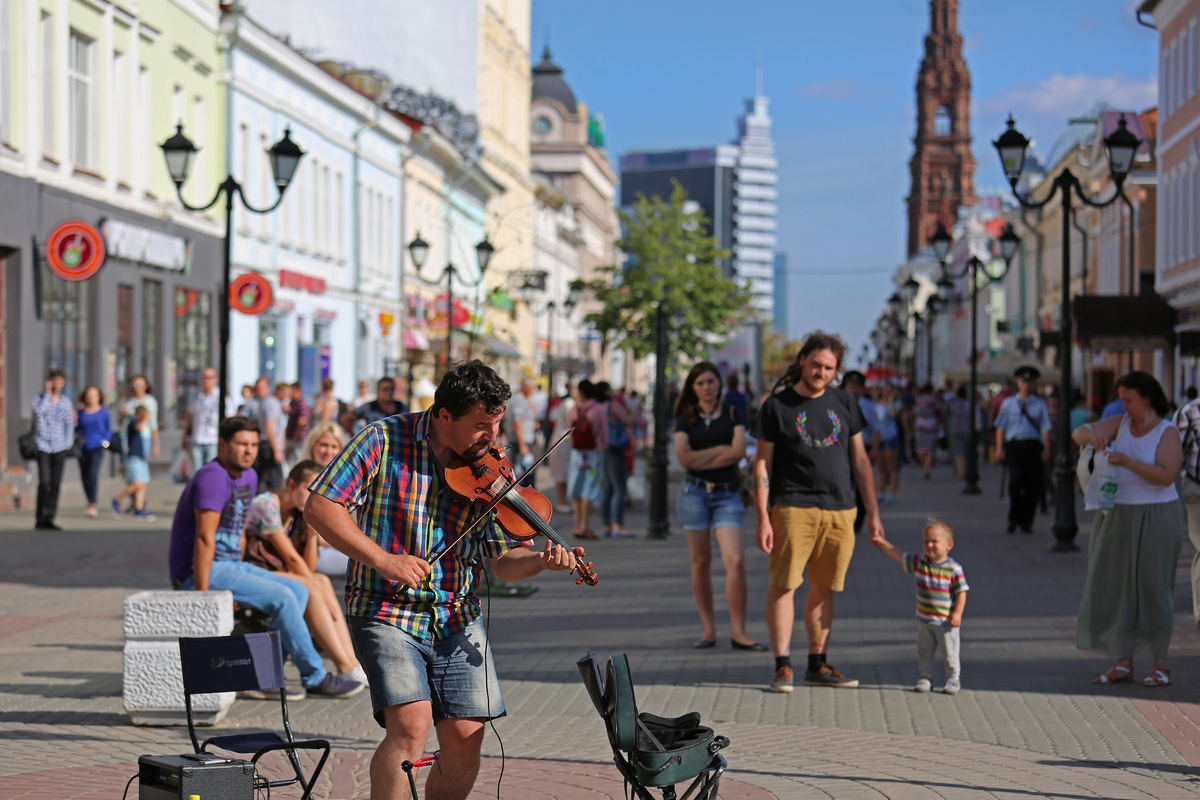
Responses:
[75,250]
[250,294]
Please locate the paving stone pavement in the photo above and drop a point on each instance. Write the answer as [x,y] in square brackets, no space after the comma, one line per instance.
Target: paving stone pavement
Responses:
[1028,722]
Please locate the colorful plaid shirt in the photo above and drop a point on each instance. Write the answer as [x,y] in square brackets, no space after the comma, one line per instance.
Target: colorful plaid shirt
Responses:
[387,475]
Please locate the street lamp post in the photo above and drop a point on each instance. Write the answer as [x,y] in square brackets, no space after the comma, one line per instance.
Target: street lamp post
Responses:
[659,526]
[1120,146]
[418,248]
[285,158]
[528,289]
[1008,248]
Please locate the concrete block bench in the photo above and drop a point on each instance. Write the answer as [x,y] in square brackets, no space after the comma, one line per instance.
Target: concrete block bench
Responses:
[153,680]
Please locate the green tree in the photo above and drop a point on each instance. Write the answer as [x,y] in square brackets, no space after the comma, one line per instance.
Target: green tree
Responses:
[673,260]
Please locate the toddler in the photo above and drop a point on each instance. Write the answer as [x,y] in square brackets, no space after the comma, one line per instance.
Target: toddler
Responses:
[941,596]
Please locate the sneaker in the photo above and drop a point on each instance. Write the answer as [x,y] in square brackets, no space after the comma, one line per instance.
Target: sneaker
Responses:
[952,686]
[828,676]
[924,685]
[293,694]
[116,508]
[783,680]
[336,686]
[358,674]
[144,516]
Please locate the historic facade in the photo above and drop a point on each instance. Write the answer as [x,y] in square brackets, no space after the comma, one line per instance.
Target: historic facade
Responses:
[942,168]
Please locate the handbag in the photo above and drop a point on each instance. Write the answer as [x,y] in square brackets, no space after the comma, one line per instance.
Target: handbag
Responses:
[27,442]
[1085,468]
[618,436]
[76,450]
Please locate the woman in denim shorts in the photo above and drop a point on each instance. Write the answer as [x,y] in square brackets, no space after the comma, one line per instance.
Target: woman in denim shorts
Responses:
[710,440]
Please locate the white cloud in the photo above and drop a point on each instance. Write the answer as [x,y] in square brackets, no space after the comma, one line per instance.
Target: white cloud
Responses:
[840,89]
[1065,95]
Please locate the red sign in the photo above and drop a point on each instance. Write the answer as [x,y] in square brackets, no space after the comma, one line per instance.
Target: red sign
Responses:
[250,294]
[75,250]
[298,280]
[437,314]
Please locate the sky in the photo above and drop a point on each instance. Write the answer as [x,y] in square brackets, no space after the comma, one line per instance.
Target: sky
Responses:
[673,74]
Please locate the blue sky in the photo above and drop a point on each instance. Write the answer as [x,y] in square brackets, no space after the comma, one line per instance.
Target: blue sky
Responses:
[841,79]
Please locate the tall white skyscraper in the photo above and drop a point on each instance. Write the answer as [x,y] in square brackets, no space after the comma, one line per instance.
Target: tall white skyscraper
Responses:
[755,202]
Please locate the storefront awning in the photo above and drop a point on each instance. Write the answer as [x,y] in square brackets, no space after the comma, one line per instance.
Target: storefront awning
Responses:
[415,339]
[498,347]
[1119,322]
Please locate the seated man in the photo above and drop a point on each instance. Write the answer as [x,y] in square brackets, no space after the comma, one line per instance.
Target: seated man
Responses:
[207,538]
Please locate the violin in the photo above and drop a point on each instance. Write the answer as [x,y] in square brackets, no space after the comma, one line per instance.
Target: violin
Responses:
[522,513]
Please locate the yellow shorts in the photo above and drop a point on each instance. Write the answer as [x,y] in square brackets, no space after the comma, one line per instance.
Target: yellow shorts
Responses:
[813,537]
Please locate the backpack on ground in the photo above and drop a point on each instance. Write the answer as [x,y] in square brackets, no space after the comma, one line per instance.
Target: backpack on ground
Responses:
[583,437]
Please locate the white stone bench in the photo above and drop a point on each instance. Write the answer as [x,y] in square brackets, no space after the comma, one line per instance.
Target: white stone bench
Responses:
[153,680]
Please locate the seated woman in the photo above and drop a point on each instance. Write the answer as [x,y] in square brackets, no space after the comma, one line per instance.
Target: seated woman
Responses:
[324,441]
[278,539]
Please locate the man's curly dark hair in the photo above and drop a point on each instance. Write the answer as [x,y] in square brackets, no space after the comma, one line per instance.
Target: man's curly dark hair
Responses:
[468,384]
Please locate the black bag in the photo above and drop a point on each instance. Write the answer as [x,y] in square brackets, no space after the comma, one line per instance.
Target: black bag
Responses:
[76,450]
[27,442]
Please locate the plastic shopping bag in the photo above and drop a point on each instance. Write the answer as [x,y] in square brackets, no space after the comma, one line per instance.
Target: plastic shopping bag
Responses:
[1101,491]
[181,468]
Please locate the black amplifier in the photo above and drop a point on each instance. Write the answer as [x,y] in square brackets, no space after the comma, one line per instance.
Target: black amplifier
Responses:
[207,775]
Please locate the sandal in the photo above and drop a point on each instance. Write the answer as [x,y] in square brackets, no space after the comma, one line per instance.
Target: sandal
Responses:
[586,533]
[1158,677]
[1118,674]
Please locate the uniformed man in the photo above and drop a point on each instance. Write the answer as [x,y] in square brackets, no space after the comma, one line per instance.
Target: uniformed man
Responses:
[1023,442]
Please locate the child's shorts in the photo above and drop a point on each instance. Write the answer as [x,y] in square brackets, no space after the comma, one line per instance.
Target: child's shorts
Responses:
[137,470]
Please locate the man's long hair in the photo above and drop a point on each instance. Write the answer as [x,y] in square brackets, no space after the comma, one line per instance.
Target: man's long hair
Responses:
[817,340]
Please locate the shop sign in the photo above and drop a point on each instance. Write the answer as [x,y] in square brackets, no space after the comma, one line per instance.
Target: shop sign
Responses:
[386,321]
[437,314]
[75,250]
[499,298]
[418,310]
[250,294]
[298,280]
[325,315]
[146,246]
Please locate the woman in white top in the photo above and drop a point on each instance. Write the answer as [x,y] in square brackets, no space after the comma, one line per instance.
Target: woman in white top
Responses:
[1128,600]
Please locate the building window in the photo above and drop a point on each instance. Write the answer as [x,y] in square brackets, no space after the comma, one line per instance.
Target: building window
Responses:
[47,37]
[193,333]
[6,72]
[145,131]
[340,220]
[152,335]
[83,101]
[200,161]
[542,125]
[65,315]
[124,332]
[942,123]
[120,117]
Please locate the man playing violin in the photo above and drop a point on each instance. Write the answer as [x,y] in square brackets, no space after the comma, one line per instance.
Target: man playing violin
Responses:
[416,625]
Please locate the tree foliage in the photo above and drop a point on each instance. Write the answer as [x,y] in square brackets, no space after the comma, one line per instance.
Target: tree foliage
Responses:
[671,259]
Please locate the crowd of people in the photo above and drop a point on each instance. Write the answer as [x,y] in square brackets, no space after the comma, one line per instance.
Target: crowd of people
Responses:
[284,497]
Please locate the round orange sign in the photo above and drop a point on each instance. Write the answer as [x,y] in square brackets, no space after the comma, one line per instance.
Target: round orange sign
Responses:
[250,294]
[75,250]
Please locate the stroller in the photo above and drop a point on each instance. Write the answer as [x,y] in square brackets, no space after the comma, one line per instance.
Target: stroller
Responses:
[651,751]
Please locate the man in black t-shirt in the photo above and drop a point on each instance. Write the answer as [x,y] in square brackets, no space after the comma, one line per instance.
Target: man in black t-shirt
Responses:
[810,456]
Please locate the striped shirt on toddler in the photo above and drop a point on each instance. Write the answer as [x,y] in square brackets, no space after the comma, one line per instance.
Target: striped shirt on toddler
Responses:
[937,584]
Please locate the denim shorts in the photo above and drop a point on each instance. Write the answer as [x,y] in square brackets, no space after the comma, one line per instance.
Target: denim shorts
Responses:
[699,510]
[456,674]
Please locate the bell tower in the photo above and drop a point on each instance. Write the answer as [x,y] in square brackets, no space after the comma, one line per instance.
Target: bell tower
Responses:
[943,169]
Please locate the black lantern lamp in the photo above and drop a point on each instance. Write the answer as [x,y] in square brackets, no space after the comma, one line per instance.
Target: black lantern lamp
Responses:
[483,252]
[1012,145]
[1121,146]
[1009,242]
[941,242]
[418,248]
[285,158]
[179,151]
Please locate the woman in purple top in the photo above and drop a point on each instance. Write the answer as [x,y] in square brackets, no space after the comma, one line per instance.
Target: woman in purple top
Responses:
[95,426]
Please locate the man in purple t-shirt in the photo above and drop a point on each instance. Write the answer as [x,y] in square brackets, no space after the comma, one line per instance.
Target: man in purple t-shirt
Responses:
[206,553]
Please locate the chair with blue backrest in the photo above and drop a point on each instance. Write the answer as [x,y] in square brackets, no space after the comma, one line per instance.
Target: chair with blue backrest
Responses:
[652,751]
[236,664]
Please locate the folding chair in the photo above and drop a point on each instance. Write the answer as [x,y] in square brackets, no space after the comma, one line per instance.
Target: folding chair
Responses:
[651,751]
[241,663]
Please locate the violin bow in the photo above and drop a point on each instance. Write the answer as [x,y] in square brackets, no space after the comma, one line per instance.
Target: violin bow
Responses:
[495,501]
